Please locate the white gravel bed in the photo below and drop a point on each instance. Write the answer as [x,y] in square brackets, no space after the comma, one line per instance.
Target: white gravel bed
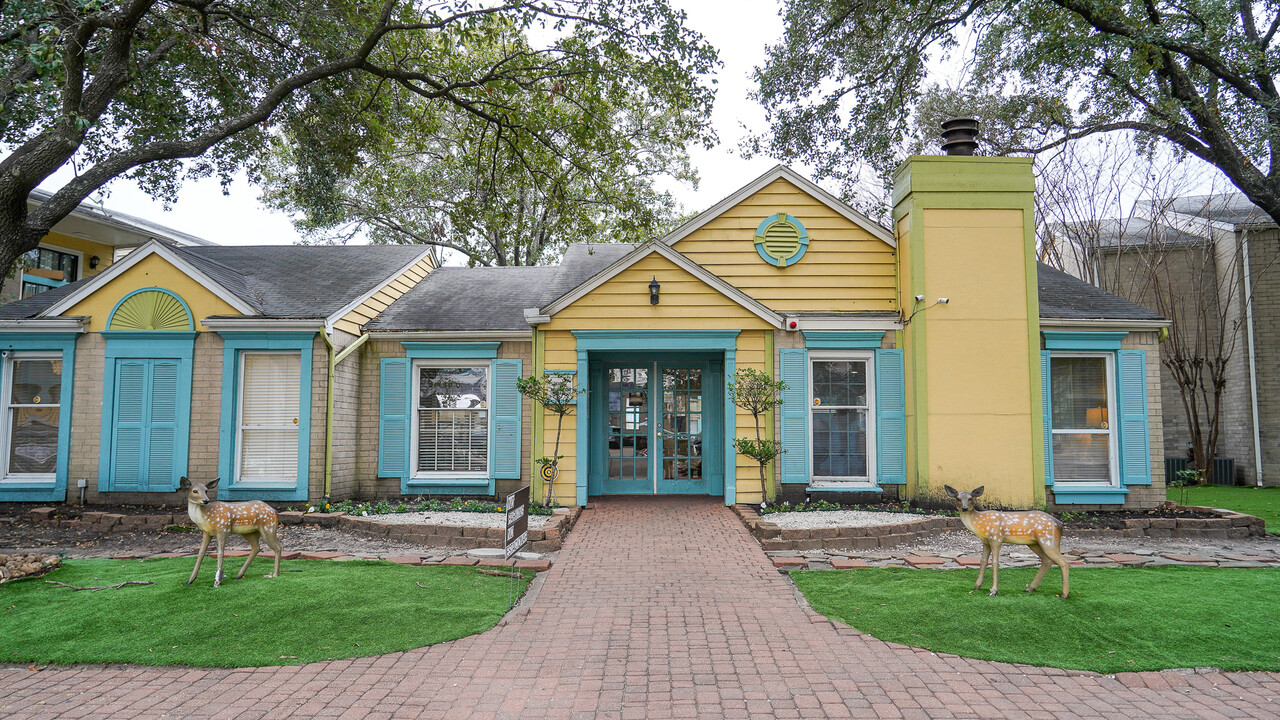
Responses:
[838,518]
[464,519]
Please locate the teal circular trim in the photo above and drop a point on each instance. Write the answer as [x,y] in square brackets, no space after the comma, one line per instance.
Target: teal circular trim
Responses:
[793,222]
[190,317]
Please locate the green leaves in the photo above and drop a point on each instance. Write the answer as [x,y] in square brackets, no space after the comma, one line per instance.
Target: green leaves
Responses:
[848,86]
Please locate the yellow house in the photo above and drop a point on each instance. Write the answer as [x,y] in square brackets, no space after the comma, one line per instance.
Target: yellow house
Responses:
[934,352]
[938,352]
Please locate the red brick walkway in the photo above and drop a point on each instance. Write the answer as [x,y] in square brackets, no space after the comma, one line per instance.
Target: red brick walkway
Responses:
[644,615]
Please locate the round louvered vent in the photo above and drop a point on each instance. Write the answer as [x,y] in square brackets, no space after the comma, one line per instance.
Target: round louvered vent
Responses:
[781,240]
[150,310]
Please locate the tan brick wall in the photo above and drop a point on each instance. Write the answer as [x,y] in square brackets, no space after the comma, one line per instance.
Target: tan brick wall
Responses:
[346,425]
[1266,330]
[319,388]
[366,451]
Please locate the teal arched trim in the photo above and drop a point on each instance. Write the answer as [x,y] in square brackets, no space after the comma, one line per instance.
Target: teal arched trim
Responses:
[190,317]
[793,222]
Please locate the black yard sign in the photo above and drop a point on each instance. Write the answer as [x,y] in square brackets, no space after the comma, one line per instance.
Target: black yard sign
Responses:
[517,521]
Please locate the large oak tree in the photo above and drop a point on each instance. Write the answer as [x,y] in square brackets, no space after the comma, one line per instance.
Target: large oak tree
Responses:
[160,90]
[843,84]
[584,166]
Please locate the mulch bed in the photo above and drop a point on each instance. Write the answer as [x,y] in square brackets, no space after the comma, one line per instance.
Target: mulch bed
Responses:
[1095,520]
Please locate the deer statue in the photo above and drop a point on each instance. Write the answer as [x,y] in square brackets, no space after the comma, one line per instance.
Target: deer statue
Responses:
[250,519]
[1038,530]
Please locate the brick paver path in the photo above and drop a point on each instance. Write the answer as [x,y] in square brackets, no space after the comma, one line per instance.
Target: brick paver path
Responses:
[655,609]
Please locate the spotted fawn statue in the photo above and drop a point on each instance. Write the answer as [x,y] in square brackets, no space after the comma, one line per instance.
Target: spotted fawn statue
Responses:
[1040,531]
[216,519]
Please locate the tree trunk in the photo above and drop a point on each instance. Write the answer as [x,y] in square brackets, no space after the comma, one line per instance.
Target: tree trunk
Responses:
[16,239]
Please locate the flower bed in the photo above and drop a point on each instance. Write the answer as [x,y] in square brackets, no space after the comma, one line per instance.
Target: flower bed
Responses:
[1185,522]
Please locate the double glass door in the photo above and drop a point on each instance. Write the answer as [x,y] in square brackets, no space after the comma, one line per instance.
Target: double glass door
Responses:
[655,419]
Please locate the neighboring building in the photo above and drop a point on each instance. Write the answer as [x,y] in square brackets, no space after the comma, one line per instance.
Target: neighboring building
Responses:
[1034,384]
[1199,245]
[82,245]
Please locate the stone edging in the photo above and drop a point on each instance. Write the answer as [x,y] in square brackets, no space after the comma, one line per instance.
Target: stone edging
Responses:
[548,538]
[1229,525]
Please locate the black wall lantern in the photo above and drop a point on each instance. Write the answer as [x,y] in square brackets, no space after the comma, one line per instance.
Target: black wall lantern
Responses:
[93,262]
[653,290]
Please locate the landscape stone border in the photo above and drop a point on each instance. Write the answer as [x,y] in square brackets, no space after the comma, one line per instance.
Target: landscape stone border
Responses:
[1228,525]
[548,538]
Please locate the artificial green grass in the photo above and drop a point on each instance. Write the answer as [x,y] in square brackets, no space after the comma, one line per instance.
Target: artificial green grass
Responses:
[1116,619]
[316,610]
[1262,502]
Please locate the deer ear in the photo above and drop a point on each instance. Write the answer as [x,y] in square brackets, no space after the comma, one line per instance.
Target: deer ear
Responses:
[951,491]
[213,484]
[183,483]
[978,490]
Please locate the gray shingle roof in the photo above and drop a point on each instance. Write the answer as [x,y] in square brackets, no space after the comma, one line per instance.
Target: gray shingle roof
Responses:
[34,305]
[1231,208]
[493,298]
[1065,297]
[300,281]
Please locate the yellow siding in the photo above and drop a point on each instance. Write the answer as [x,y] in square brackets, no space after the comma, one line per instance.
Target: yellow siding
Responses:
[844,269]
[151,271]
[623,303]
[353,321]
[87,248]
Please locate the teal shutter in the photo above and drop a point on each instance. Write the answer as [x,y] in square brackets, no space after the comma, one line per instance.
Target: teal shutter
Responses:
[795,415]
[1135,447]
[504,448]
[891,419]
[127,466]
[393,420]
[162,430]
[1046,400]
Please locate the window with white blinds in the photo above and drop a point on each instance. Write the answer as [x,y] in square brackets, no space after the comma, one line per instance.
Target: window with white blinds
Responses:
[267,436]
[451,434]
[1084,439]
[32,397]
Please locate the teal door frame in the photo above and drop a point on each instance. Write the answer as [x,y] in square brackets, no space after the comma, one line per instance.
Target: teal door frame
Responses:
[653,342]
[656,365]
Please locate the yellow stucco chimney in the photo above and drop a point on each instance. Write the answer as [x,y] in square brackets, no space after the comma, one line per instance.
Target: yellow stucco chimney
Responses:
[965,228]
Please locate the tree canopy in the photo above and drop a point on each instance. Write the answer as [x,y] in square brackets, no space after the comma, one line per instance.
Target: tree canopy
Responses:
[574,157]
[843,84]
[162,90]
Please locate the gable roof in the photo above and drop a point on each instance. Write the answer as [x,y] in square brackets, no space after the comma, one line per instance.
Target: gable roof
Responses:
[1063,297]
[492,298]
[266,281]
[746,301]
[781,172]
[1230,208]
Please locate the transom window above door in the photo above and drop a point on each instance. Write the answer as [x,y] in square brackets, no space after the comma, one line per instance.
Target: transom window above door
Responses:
[452,420]
[841,420]
[1084,440]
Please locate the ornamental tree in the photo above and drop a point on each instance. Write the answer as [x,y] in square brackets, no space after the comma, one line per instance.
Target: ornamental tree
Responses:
[557,393]
[757,393]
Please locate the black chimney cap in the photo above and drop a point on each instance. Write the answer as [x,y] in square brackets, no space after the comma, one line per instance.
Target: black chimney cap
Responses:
[959,135]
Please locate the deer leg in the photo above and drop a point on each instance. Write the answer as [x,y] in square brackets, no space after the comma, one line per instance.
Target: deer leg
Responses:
[204,547]
[995,568]
[1056,556]
[982,565]
[1045,564]
[222,541]
[273,541]
[252,539]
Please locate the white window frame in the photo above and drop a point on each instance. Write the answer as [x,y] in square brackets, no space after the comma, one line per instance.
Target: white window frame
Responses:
[288,483]
[6,398]
[1111,431]
[416,389]
[869,358]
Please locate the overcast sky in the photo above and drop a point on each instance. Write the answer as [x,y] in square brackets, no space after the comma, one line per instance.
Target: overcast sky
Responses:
[740,29]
